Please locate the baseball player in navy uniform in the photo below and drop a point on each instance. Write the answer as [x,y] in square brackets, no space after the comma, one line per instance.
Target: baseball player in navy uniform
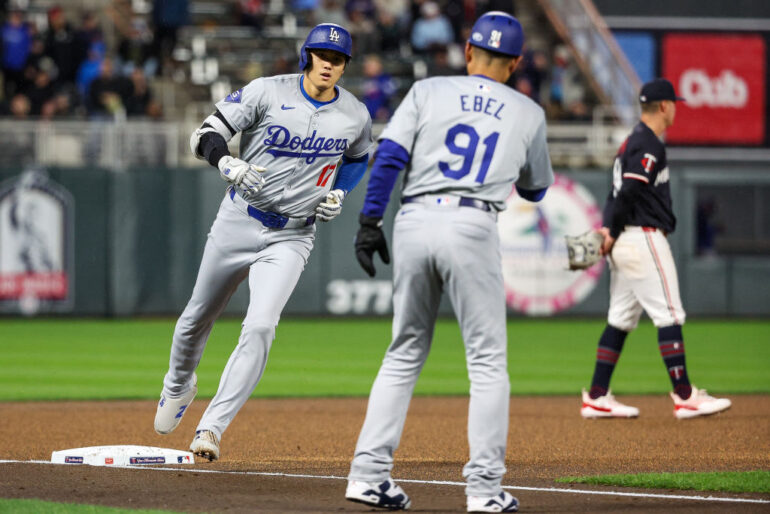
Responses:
[305,144]
[637,219]
[465,141]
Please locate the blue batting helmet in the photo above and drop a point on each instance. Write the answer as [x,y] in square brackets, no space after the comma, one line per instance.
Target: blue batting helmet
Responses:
[499,32]
[328,36]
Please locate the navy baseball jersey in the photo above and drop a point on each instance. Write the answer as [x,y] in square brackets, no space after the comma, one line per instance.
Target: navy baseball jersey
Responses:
[641,173]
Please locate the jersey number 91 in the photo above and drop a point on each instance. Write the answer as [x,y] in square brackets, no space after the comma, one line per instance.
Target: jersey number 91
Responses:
[468,152]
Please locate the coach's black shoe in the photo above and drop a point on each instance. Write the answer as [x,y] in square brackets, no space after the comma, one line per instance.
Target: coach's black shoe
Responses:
[386,495]
[502,502]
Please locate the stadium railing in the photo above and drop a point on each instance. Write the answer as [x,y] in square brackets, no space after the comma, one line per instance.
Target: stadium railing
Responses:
[106,144]
[116,145]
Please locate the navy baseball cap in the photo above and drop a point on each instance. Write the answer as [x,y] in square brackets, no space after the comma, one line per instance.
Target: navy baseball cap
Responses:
[658,89]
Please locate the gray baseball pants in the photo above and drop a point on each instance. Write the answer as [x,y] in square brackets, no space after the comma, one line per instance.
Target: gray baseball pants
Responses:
[455,249]
[238,246]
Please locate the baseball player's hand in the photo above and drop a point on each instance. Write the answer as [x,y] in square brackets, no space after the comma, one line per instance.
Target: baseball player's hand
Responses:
[608,242]
[331,207]
[370,239]
[248,177]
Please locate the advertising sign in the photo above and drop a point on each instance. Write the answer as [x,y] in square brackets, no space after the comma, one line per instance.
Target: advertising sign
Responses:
[36,245]
[534,252]
[722,78]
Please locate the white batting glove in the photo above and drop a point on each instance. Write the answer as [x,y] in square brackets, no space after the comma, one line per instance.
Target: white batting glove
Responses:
[332,207]
[247,177]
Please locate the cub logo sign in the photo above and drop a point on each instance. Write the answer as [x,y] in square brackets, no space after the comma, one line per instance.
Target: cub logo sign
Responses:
[534,253]
[722,79]
[726,90]
[36,245]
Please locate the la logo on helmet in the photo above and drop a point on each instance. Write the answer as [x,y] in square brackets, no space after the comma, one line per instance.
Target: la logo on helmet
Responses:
[334,35]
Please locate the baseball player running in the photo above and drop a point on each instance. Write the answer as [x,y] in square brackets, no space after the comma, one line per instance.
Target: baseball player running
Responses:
[294,129]
[465,140]
[637,219]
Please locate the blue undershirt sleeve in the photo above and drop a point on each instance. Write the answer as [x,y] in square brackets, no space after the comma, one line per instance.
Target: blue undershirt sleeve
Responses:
[350,173]
[389,160]
[533,195]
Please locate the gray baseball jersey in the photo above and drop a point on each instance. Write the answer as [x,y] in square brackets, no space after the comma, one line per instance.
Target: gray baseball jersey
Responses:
[447,123]
[298,144]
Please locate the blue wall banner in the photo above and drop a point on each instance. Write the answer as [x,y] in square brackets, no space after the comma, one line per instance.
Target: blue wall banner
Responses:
[641,51]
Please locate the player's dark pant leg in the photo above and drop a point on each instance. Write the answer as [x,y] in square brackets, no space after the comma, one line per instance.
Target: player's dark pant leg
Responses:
[671,345]
[607,355]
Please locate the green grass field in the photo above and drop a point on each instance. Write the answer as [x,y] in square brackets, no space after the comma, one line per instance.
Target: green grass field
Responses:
[59,359]
[52,359]
[727,481]
[38,506]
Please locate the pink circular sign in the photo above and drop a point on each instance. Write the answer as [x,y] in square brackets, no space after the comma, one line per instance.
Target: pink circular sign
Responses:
[534,252]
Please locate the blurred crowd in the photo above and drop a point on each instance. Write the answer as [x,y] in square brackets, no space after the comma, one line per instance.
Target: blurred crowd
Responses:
[62,66]
[431,34]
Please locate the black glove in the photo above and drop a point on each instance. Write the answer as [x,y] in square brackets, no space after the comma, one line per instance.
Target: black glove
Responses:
[370,239]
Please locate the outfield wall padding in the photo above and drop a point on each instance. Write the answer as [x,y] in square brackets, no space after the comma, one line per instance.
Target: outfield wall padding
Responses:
[139,236]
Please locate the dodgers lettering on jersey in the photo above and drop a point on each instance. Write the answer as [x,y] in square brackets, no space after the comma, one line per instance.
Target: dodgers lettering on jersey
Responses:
[477,138]
[283,144]
[298,144]
[642,169]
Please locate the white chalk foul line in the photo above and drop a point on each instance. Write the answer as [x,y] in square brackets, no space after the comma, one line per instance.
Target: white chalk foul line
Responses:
[430,482]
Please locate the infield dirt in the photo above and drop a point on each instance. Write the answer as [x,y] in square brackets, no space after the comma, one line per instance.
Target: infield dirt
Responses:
[547,439]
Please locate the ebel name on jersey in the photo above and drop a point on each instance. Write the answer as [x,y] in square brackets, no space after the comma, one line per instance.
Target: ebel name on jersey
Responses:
[310,147]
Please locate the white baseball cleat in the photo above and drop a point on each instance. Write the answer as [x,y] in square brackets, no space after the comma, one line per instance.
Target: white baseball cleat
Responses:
[503,502]
[170,410]
[385,495]
[606,407]
[205,444]
[698,404]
